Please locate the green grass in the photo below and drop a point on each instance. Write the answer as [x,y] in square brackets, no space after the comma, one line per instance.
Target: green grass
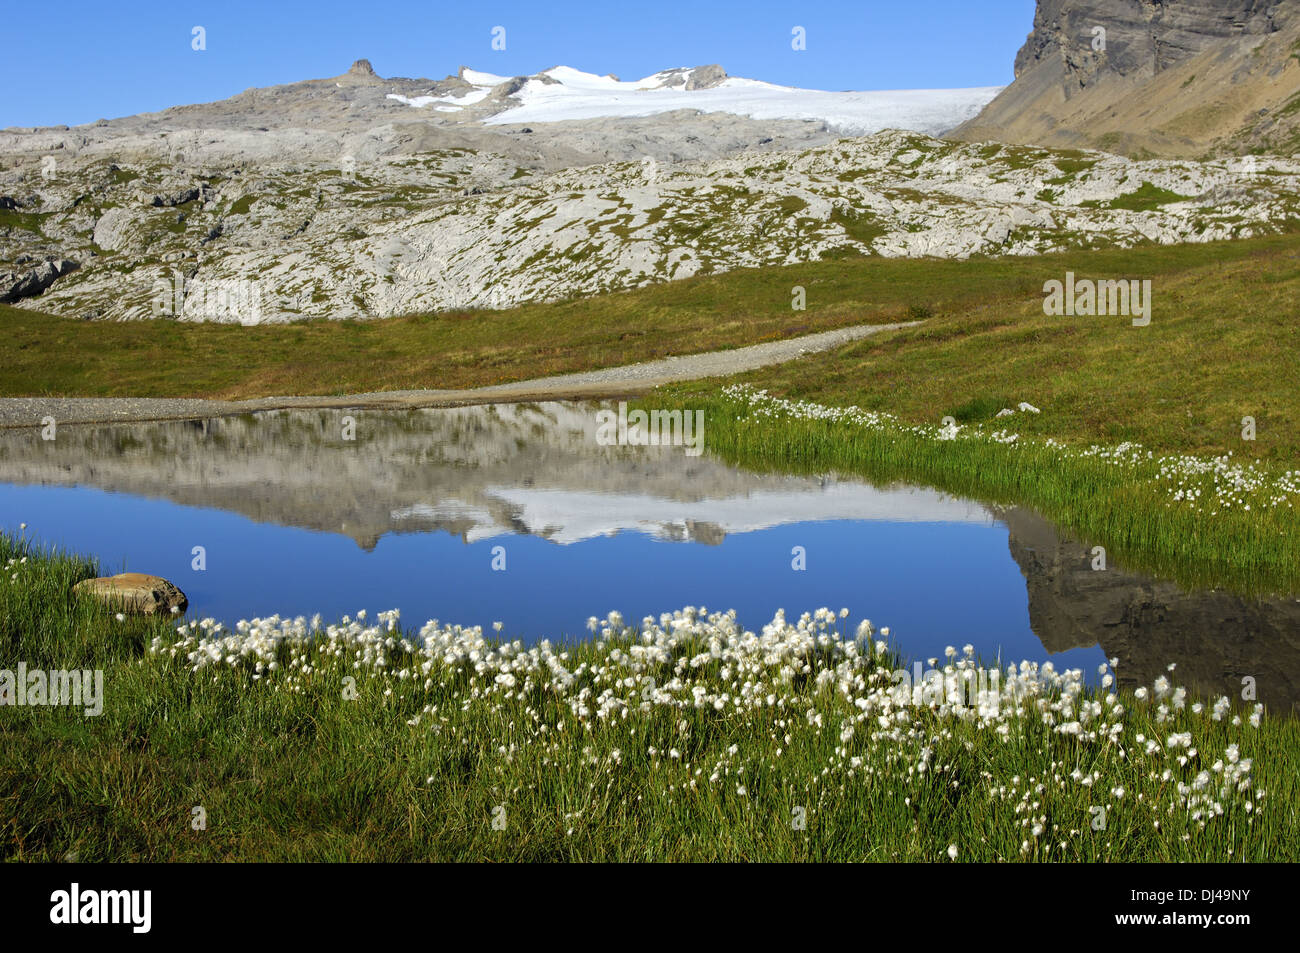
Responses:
[980,409]
[290,767]
[42,354]
[1072,163]
[1223,343]
[1144,199]
[27,221]
[863,228]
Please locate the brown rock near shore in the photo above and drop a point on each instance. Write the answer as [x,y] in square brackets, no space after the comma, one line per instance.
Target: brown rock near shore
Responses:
[134,592]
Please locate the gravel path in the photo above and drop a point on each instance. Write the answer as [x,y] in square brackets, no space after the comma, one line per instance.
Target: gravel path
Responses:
[622,381]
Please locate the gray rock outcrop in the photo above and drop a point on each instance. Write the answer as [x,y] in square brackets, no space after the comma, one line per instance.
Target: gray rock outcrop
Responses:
[1153,77]
[368,236]
[15,286]
[1142,37]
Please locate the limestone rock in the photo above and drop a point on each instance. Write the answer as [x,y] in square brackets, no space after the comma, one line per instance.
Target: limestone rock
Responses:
[458,229]
[15,286]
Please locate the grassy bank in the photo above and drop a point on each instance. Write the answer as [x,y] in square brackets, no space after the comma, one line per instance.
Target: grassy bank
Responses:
[1138,441]
[1223,343]
[1201,521]
[685,740]
[42,354]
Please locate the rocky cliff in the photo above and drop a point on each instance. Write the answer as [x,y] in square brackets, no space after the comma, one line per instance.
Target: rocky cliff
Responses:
[1161,77]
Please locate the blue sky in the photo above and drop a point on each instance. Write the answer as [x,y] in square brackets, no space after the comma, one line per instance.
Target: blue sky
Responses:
[85,60]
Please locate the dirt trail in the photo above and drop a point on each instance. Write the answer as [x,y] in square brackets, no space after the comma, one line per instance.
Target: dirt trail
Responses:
[627,380]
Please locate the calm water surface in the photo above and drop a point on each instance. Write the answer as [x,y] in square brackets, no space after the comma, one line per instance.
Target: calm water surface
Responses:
[414,513]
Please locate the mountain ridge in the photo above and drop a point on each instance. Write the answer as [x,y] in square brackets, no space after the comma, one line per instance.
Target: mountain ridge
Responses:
[454,228]
[1153,78]
[360,196]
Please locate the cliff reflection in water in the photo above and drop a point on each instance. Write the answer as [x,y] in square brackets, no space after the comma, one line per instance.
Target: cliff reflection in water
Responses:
[1217,638]
[536,469]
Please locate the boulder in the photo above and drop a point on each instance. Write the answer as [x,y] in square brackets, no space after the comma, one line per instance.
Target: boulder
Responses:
[181,197]
[134,592]
[17,285]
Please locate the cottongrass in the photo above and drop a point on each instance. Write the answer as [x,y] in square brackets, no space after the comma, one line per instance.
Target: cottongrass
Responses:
[698,715]
[1213,484]
[13,566]
[682,738]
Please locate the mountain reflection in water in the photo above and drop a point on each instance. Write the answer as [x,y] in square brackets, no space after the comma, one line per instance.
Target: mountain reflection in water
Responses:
[489,473]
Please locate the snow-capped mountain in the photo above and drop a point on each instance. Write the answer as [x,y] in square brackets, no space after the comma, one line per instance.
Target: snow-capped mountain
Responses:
[365,196]
[564,93]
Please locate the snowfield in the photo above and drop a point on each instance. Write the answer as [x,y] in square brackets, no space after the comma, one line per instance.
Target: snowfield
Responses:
[453,102]
[573,94]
